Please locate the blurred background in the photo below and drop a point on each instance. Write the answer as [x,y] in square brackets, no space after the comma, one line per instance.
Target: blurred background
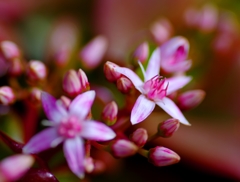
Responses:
[210,148]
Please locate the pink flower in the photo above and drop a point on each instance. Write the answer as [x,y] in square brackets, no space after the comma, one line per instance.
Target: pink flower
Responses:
[154,90]
[69,126]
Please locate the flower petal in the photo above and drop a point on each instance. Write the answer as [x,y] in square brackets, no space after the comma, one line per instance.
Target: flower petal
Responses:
[74,153]
[137,82]
[52,109]
[177,82]
[141,109]
[171,108]
[94,130]
[41,141]
[82,104]
[153,67]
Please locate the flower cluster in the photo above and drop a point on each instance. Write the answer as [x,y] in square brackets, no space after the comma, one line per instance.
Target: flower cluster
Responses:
[73,124]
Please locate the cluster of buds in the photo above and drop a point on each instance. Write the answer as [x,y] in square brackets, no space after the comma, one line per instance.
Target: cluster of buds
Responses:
[72,119]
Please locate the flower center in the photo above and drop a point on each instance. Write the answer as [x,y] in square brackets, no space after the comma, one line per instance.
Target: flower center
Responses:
[69,127]
[156,88]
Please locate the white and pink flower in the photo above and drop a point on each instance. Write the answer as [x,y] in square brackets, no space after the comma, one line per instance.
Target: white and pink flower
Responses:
[70,126]
[154,90]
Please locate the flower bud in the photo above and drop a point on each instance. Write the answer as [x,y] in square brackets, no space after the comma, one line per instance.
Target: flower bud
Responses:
[84,84]
[174,53]
[88,164]
[190,99]
[161,31]
[37,70]
[65,102]
[110,72]
[168,127]
[124,85]
[35,95]
[109,114]
[141,53]
[139,137]
[10,50]
[15,67]
[123,148]
[161,156]
[14,167]
[71,83]
[93,52]
[6,95]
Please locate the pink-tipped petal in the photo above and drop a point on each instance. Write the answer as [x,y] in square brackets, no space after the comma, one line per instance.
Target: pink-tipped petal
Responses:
[153,67]
[52,109]
[74,153]
[41,141]
[137,82]
[97,131]
[176,83]
[171,108]
[141,109]
[81,105]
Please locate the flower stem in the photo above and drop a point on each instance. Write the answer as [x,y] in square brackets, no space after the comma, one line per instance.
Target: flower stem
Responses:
[143,152]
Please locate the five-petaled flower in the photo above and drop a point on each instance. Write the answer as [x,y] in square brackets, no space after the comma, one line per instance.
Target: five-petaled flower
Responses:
[154,90]
[69,126]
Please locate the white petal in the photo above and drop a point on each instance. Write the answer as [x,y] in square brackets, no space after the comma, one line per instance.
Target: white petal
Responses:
[141,109]
[171,108]
[82,104]
[94,130]
[176,83]
[153,67]
[74,153]
[137,82]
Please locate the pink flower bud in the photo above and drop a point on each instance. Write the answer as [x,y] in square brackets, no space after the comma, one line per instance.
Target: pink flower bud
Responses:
[15,67]
[6,95]
[161,30]
[161,156]
[174,54]
[88,164]
[110,72]
[93,52]
[139,137]
[71,83]
[109,114]
[123,148]
[190,99]
[14,167]
[10,50]
[141,53]
[84,84]
[168,127]
[37,70]
[35,95]
[65,102]
[124,85]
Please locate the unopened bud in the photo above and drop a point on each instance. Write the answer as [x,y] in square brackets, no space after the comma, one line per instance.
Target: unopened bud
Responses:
[15,67]
[161,156]
[93,52]
[14,167]
[10,50]
[35,95]
[88,164]
[6,95]
[124,85]
[168,127]
[123,148]
[37,70]
[65,102]
[190,99]
[110,72]
[109,114]
[71,83]
[84,84]
[139,137]
[141,53]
